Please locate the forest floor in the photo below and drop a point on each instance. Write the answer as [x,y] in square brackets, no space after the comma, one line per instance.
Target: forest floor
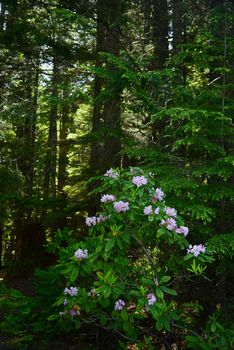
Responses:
[82,340]
[19,341]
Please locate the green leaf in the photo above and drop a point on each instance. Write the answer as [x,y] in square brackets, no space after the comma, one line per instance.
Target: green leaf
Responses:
[159,293]
[124,315]
[106,291]
[160,232]
[164,279]
[125,237]
[213,327]
[169,291]
[53,317]
[151,218]
[159,323]
[74,274]
[166,325]
[110,244]
[103,319]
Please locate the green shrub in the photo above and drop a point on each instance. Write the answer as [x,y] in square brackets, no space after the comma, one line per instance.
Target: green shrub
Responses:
[124,276]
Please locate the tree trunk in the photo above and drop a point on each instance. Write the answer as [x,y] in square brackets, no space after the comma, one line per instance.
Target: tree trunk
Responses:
[1,245]
[160,33]
[51,154]
[26,133]
[106,116]
[63,144]
[111,112]
[96,148]
[177,24]
[147,20]
[2,15]
[179,33]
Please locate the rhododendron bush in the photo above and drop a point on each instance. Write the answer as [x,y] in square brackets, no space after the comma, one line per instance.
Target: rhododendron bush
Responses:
[124,276]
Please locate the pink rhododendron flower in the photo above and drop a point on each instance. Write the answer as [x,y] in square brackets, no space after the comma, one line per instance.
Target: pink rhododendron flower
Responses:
[81,254]
[119,305]
[107,198]
[101,218]
[111,173]
[171,212]
[158,196]
[148,210]
[73,312]
[139,180]
[156,211]
[121,206]
[170,224]
[196,249]
[183,230]
[91,221]
[72,291]
[151,298]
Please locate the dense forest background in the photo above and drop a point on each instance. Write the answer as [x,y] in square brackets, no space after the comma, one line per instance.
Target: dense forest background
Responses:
[86,86]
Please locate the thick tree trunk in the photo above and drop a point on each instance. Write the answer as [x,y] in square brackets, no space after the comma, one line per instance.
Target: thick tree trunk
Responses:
[111,112]
[96,148]
[177,24]
[106,116]
[179,33]
[160,33]
[147,20]
[51,154]
[160,41]
[63,144]
[29,130]
[26,133]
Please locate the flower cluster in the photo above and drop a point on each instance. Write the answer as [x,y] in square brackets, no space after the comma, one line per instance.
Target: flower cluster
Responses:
[107,198]
[119,305]
[94,220]
[148,210]
[156,211]
[121,206]
[91,221]
[158,196]
[196,249]
[72,291]
[151,298]
[170,224]
[111,173]
[139,180]
[75,311]
[171,212]
[183,230]
[81,254]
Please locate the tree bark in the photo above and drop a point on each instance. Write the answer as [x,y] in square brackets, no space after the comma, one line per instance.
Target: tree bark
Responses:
[160,33]
[147,20]
[63,144]
[51,154]
[96,147]
[111,112]
[106,115]
[177,24]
